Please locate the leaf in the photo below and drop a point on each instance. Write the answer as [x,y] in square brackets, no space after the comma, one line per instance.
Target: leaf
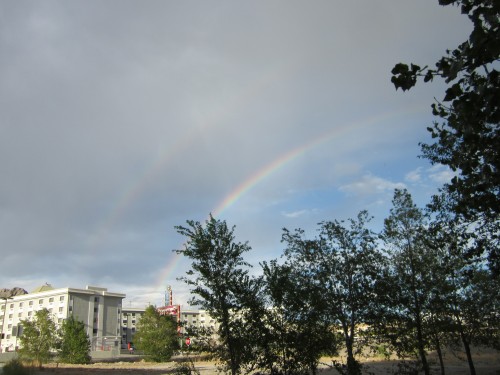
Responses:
[429,76]
[453,92]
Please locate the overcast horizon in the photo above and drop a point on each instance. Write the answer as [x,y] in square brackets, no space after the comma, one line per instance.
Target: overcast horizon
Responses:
[122,119]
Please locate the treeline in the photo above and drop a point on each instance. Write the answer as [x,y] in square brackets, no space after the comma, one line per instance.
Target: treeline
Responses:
[420,285]
[42,341]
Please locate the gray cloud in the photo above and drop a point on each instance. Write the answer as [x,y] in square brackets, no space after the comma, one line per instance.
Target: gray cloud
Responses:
[121,119]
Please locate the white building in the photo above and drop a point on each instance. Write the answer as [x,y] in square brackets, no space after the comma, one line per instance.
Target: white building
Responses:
[188,318]
[197,319]
[98,309]
[130,318]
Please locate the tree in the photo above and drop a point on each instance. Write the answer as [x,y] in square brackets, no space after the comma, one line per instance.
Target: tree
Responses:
[156,335]
[468,138]
[219,277]
[345,262]
[467,296]
[294,332]
[39,338]
[75,344]
[403,235]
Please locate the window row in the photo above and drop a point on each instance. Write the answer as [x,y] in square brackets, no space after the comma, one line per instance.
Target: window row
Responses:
[30,313]
[31,303]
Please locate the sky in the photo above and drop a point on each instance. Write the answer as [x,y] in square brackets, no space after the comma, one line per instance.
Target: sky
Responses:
[120,120]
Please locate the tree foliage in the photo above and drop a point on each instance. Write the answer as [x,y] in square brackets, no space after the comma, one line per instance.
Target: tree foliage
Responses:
[342,266]
[156,335]
[409,289]
[412,262]
[75,344]
[39,338]
[468,137]
[465,295]
[218,277]
[294,332]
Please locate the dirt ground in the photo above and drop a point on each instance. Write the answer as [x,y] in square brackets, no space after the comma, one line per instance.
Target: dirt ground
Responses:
[486,363]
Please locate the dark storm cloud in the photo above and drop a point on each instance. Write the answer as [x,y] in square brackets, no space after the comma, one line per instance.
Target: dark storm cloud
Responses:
[121,119]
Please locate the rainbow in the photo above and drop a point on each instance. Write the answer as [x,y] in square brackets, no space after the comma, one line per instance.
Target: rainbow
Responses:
[278,163]
[210,120]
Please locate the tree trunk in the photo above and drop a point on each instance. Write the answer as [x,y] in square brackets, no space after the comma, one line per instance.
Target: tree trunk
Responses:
[421,348]
[353,367]
[440,355]
[472,369]
[418,313]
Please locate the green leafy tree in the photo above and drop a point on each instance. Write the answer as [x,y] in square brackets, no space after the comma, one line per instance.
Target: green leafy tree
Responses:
[39,338]
[156,335]
[467,295]
[475,312]
[218,277]
[75,344]
[294,332]
[345,265]
[411,260]
[467,136]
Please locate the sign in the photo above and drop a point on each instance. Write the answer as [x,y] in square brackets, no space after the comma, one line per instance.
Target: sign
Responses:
[169,310]
[172,310]
[188,341]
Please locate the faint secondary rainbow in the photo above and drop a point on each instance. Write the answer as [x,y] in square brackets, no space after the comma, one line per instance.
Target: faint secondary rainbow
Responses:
[215,118]
[279,163]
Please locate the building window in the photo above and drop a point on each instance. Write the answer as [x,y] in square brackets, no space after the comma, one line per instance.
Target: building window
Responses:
[94,331]
[61,298]
[30,313]
[20,304]
[40,301]
[11,306]
[61,309]
[19,315]
[95,309]
[31,303]
[51,299]
[96,299]
[10,316]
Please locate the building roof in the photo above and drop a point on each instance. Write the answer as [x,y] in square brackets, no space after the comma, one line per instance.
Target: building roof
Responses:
[43,288]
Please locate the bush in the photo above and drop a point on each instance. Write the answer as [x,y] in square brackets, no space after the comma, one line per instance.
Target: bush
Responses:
[186,368]
[16,367]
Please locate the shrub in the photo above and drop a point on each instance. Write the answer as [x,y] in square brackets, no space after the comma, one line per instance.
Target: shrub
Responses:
[16,367]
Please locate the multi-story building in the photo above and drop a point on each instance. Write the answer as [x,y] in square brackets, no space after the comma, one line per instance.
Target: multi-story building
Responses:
[98,309]
[130,318]
[197,319]
[188,318]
